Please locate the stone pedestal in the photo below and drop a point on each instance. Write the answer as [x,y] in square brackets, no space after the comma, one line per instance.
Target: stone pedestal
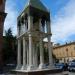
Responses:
[40,72]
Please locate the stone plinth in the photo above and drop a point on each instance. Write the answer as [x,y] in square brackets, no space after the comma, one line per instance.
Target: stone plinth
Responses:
[40,72]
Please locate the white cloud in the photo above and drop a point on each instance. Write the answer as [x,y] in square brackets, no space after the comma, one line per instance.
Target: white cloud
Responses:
[63,25]
[10,21]
[13,9]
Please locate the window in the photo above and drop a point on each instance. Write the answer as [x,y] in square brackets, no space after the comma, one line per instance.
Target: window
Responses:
[67,50]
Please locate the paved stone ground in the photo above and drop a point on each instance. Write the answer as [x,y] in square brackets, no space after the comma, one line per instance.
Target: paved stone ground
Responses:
[70,73]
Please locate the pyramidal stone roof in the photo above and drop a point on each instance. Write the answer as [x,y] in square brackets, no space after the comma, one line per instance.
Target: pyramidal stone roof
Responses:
[36,4]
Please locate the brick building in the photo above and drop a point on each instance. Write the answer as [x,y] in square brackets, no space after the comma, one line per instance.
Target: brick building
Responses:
[2,19]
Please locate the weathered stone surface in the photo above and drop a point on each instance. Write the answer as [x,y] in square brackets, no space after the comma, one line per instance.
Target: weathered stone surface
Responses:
[42,72]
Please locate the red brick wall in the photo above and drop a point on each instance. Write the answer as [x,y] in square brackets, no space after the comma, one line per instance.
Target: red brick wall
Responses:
[2,5]
[2,9]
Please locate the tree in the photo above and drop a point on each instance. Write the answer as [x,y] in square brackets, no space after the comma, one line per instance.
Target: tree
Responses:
[9,47]
[8,33]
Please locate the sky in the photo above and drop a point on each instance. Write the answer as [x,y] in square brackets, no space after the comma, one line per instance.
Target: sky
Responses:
[62,18]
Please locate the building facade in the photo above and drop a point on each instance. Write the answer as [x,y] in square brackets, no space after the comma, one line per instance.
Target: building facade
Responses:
[65,53]
[2,18]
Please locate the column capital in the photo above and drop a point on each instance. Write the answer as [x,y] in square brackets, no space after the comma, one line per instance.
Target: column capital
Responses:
[24,38]
[30,35]
[19,41]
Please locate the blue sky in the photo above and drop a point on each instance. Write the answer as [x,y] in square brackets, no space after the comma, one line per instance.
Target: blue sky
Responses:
[62,18]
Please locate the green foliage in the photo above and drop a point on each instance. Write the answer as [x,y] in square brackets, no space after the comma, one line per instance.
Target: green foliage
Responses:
[46,56]
[8,33]
[9,47]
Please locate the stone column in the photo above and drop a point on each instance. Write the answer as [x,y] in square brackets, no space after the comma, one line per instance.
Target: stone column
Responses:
[30,22]
[40,24]
[21,29]
[18,30]
[50,52]
[36,56]
[41,54]
[19,55]
[24,54]
[48,27]
[49,45]
[27,54]
[45,27]
[24,26]
[30,53]
[33,54]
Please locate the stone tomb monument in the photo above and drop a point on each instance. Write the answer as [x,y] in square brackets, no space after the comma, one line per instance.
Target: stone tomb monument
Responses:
[33,27]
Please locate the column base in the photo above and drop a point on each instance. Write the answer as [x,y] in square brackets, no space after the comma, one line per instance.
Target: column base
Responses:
[42,66]
[18,67]
[24,68]
[30,68]
[40,72]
